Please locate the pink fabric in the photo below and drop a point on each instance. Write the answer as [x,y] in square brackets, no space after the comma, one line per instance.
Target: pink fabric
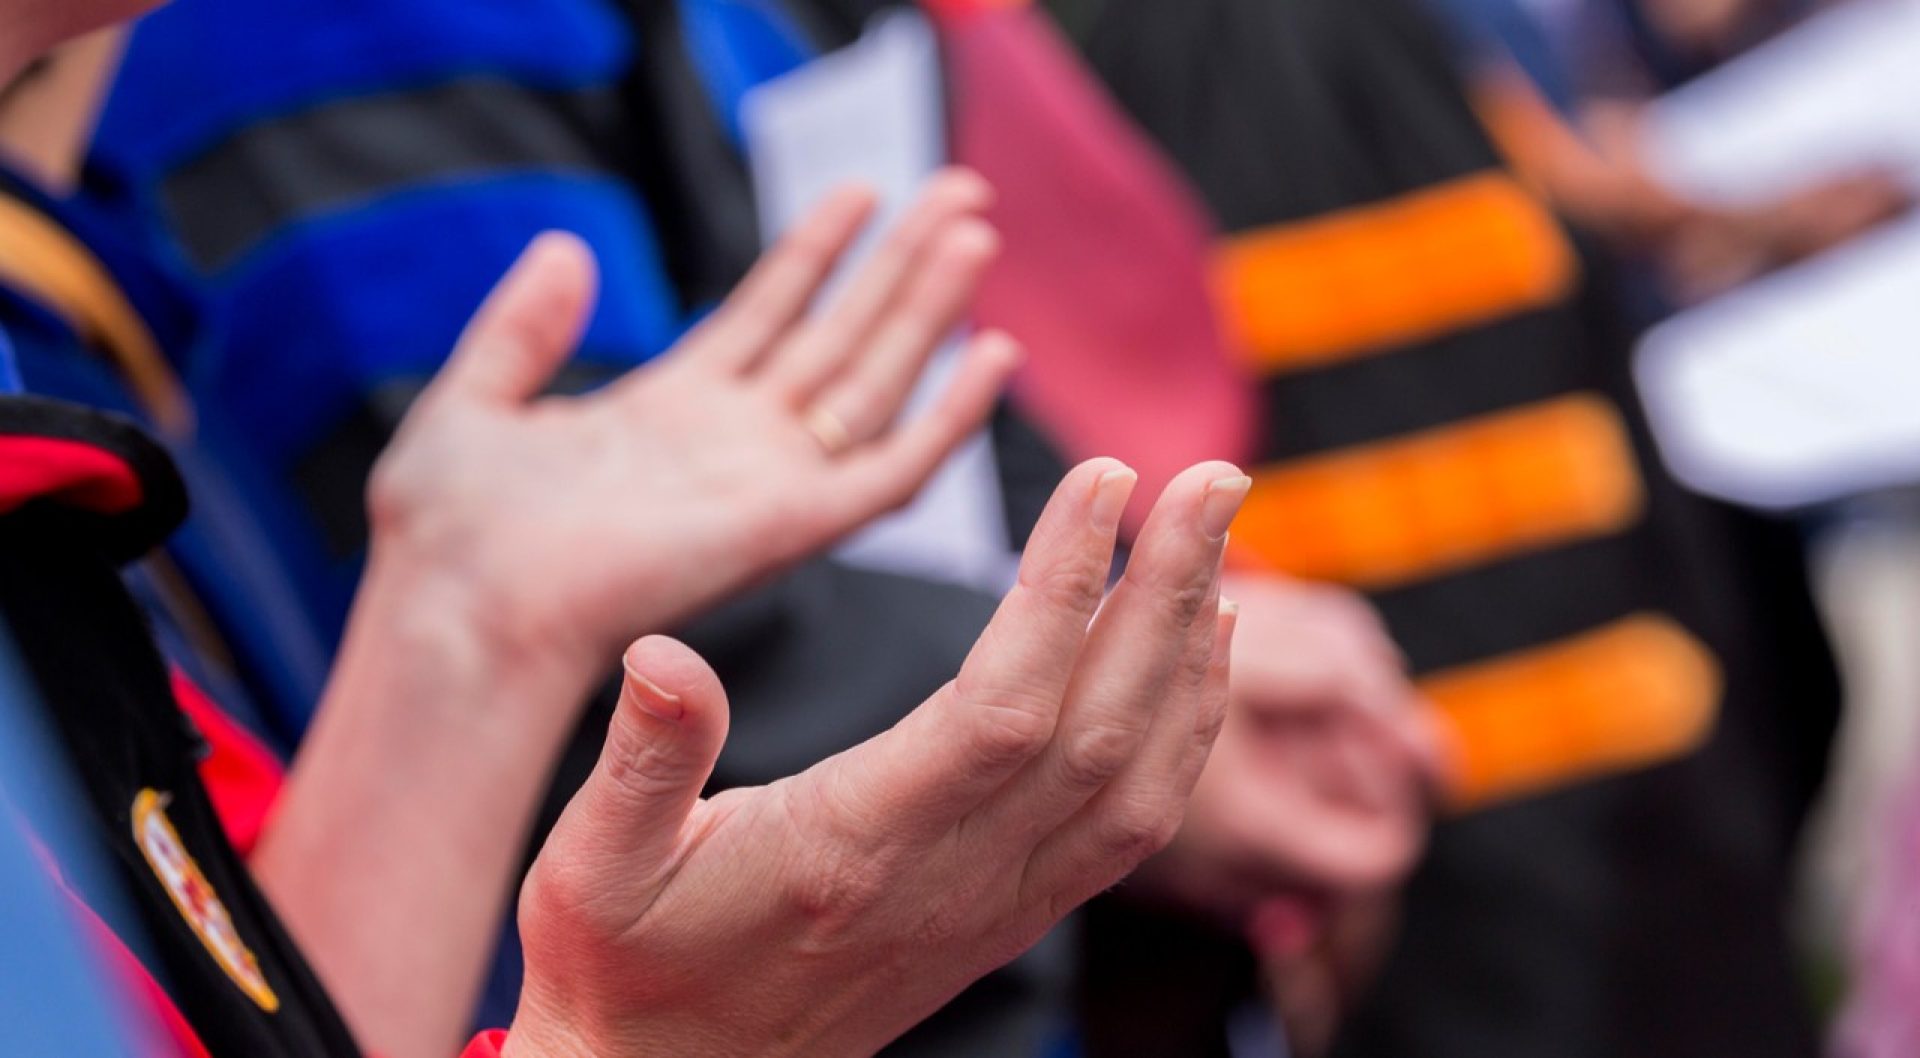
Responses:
[73,472]
[486,1045]
[1883,1018]
[1103,273]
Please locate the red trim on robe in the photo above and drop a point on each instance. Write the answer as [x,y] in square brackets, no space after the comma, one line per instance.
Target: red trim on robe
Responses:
[70,472]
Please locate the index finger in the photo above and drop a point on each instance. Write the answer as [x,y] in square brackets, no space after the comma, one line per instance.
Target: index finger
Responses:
[777,292]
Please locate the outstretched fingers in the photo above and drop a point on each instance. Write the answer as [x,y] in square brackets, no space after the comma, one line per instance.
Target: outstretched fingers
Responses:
[881,371]
[952,752]
[1114,807]
[927,262]
[1154,629]
[777,293]
[888,472]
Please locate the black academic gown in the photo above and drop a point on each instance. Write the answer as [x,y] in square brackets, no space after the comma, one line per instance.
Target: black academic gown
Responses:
[1640,916]
[100,494]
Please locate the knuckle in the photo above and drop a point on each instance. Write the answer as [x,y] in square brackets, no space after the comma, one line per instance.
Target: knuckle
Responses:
[1196,664]
[1184,599]
[556,891]
[1093,755]
[1010,732]
[1075,584]
[834,892]
[1009,722]
[948,919]
[636,767]
[1133,831]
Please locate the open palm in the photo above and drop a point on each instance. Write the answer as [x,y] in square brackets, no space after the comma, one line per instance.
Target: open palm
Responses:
[763,436]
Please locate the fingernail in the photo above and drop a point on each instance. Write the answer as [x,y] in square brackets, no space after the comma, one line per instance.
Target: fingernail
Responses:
[970,185]
[653,699]
[1229,609]
[1003,345]
[1110,495]
[1221,503]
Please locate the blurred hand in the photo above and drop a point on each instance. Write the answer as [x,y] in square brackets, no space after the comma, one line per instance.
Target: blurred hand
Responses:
[1316,801]
[568,525]
[1317,958]
[1716,250]
[826,913]
[1319,785]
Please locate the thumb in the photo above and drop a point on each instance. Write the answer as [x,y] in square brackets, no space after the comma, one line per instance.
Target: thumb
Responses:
[626,820]
[529,324]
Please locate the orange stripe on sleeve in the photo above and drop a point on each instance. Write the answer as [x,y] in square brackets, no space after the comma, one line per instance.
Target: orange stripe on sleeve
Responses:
[1454,496]
[1635,693]
[1353,282]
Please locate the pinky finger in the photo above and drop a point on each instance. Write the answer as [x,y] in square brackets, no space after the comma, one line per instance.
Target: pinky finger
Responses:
[1212,713]
[887,472]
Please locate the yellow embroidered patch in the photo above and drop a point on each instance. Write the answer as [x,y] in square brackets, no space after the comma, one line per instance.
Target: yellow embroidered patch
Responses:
[193,895]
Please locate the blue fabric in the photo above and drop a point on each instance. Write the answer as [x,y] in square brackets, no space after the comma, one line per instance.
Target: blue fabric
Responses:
[738,44]
[1495,29]
[336,306]
[9,371]
[199,70]
[54,997]
[332,307]
[223,548]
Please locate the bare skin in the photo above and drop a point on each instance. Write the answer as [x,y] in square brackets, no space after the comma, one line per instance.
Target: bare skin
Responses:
[520,540]
[825,914]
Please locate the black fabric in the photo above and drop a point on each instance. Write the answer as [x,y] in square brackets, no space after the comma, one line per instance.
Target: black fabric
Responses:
[126,535]
[1640,916]
[90,655]
[680,156]
[277,171]
[814,663]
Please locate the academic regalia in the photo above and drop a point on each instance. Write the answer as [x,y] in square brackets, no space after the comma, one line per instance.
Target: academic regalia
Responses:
[173,790]
[82,493]
[1451,427]
[96,320]
[345,181]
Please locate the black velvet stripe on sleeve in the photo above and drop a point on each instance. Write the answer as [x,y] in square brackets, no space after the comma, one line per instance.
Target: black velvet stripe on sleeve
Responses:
[357,149]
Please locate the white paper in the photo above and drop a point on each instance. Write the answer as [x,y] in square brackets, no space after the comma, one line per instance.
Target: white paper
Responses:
[1799,388]
[874,112]
[1837,94]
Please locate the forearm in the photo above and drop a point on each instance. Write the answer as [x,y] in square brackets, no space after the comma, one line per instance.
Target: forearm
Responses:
[394,849]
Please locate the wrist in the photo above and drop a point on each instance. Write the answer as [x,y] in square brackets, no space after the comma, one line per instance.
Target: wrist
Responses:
[466,617]
[423,637]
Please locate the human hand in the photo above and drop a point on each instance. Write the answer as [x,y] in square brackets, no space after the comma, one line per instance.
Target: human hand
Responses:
[1315,802]
[564,526]
[1721,248]
[1319,785]
[826,913]
[1318,958]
